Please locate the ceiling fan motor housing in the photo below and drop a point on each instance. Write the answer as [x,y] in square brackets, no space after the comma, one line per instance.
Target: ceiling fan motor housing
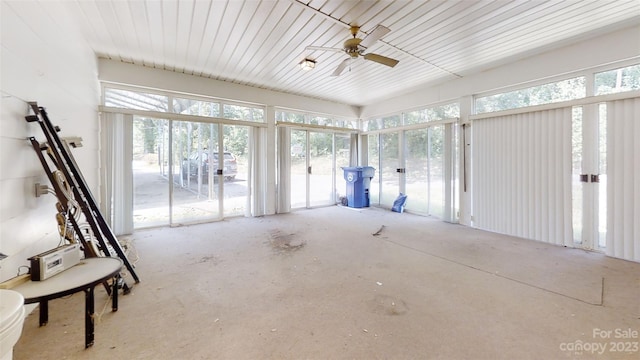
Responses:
[351,47]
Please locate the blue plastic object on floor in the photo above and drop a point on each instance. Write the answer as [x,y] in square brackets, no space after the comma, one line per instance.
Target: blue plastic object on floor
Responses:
[398,204]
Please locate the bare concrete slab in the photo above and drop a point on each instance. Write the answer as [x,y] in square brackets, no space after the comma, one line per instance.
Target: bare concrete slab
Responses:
[333,283]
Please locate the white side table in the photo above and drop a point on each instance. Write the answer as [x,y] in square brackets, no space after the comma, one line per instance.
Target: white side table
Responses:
[82,277]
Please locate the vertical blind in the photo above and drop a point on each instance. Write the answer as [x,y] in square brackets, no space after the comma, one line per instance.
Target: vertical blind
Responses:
[256,201]
[623,179]
[521,175]
[116,175]
[284,170]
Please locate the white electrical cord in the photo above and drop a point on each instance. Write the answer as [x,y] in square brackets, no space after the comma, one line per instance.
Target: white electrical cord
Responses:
[65,188]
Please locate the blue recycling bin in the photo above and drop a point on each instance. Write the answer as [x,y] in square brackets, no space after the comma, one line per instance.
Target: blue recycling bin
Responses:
[358,180]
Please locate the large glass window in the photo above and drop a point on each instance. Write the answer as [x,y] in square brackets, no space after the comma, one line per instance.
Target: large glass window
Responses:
[564,90]
[618,80]
[136,100]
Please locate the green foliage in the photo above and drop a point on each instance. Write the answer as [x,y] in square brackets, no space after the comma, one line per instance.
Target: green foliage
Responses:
[196,107]
[442,112]
[236,139]
[618,80]
[320,144]
[145,134]
[543,94]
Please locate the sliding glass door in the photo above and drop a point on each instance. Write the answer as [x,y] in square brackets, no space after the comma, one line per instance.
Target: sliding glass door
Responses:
[424,170]
[589,176]
[320,169]
[196,182]
[235,168]
[298,172]
[414,162]
[373,151]
[343,158]
[390,168]
[417,170]
[150,172]
[317,159]
[186,172]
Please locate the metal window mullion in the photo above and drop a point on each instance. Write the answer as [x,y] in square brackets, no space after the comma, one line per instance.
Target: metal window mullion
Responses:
[448,170]
[429,170]
[220,166]
[333,170]
[402,186]
[307,163]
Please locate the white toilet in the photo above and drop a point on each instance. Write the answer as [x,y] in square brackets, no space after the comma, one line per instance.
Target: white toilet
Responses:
[11,321]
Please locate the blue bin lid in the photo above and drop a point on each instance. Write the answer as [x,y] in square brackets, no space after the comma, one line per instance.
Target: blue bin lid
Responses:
[352,168]
[366,171]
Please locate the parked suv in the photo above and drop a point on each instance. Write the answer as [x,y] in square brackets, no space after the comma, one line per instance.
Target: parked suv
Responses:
[229,171]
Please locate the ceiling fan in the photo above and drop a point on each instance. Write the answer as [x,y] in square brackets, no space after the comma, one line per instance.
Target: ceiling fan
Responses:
[356,47]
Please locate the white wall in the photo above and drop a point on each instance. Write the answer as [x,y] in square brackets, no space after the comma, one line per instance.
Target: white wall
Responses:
[613,47]
[121,73]
[42,60]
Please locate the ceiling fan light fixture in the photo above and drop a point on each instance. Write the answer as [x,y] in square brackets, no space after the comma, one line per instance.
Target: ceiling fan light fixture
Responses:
[307,64]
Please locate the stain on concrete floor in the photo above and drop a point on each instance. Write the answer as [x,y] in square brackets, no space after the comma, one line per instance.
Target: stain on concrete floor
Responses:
[283,242]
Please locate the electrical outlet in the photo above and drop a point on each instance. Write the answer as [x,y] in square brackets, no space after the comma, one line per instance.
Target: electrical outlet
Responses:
[41,189]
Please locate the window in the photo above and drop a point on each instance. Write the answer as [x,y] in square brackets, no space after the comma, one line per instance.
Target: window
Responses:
[345,123]
[320,120]
[285,116]
[196,107]
[382,123]
[314,119]
[618,80]
[564,90]
[434,113]
[442,112]
[135,100]
[246,113]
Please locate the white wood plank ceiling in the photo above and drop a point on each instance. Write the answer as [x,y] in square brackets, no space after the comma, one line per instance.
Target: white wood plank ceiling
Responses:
[260,43]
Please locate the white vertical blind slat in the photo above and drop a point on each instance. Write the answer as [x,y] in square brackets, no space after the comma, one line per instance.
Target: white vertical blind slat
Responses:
[522,175]
[284,169]
[623,178]
[636,184]
[256,202]
[117,174]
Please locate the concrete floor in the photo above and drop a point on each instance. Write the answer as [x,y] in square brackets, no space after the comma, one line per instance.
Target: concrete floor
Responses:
[317,284]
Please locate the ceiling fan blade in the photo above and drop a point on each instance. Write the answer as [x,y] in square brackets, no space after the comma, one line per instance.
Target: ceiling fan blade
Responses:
[341,67]
[321,48]
[374,36]
[381,59]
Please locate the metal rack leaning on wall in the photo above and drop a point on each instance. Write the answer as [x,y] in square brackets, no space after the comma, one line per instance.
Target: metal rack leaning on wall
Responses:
[79,218]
